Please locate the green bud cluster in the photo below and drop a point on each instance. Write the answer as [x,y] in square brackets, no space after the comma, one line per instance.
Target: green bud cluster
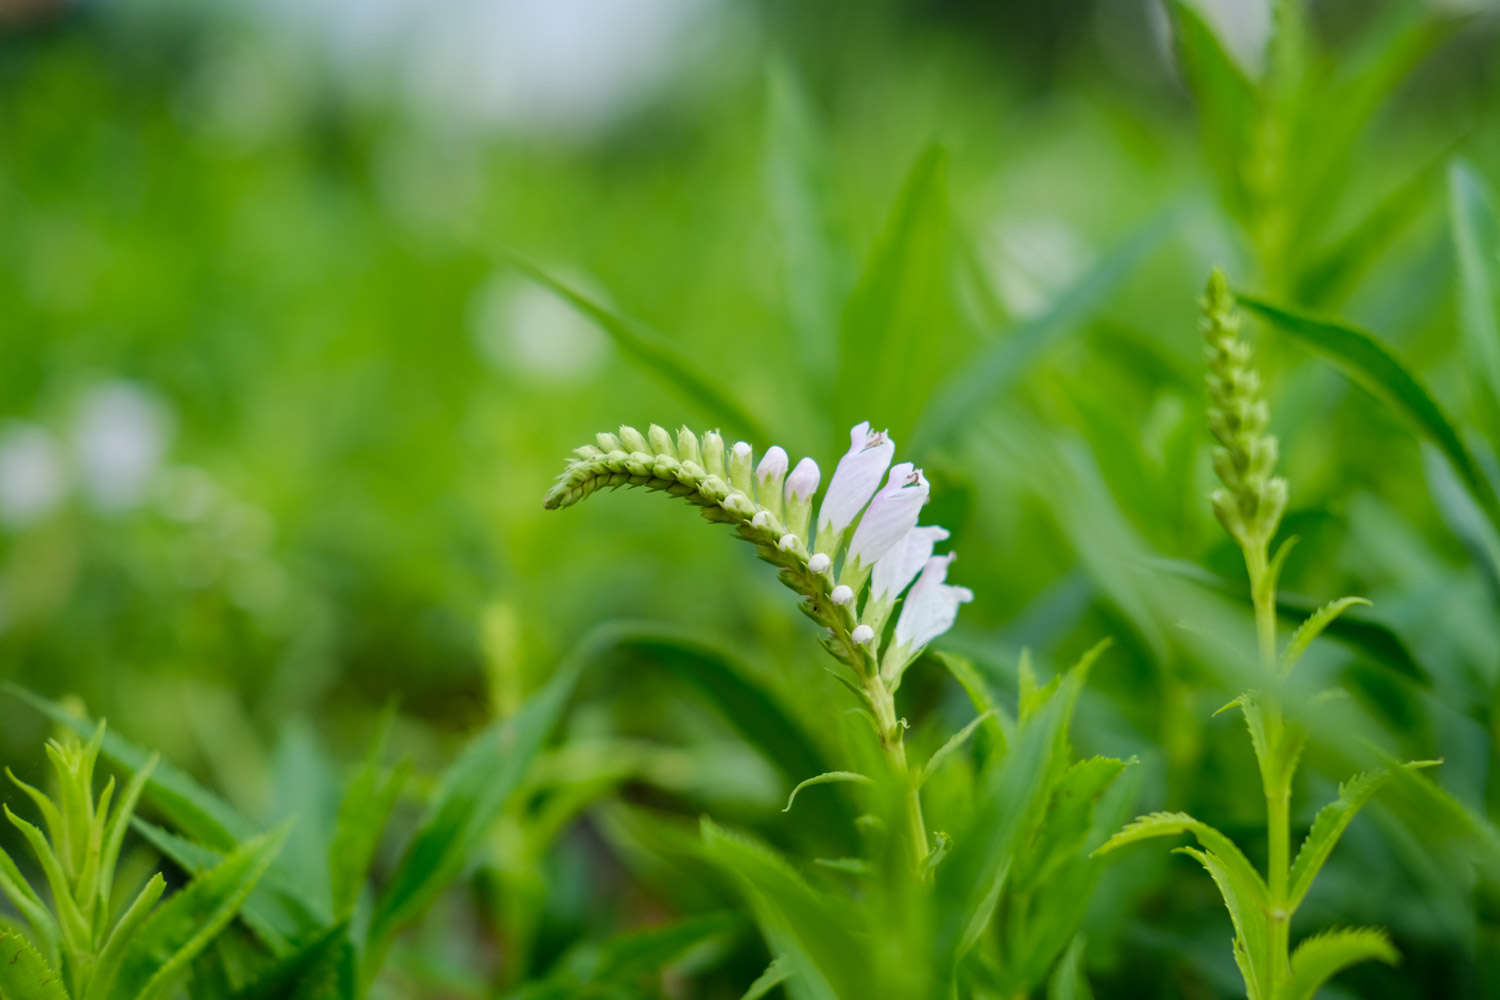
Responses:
[1253,498]
[722,483]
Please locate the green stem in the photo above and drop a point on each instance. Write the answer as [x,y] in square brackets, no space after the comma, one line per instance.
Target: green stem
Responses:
[1277,780]
[883,702]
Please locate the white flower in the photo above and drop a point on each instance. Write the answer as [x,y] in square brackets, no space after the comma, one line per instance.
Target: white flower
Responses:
[929,610]
[901,563]
[855,479]
[803,482]
[32,476]
[892,514]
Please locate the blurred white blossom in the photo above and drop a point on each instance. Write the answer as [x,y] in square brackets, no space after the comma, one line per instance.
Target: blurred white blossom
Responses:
[119,437]
[32,474]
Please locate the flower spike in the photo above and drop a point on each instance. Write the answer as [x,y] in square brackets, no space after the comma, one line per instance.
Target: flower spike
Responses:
[771,508]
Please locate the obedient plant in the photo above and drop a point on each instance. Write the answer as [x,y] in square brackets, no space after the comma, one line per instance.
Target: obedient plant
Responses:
[83,947]
[867,550]
[983,912]
[1249,505]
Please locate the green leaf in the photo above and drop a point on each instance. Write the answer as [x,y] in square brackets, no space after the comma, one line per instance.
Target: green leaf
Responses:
[653,349]
[1224,94]
[362,816]
[1476,237]
[160,950]
[1312,628]
[776,973]
[999,724]
[797,194]
[276,909]
[74,925]
[190,807]
[1369,363]
[815,936]
[626,959]
[1010,796]
[1068,981]
[24,974]
[826,778]
[1319,958]
[1245,894]
[951,746]
[321,969]
[1329,825]
[468,799]
[954,404]
[896,337]
[24,898]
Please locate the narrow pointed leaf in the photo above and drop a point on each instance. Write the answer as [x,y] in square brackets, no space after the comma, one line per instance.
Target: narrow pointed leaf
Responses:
[1313,627]
[1476,237]
[776,973]
[951,746]
[1224,94]
[653,349]
[158,954]
[469,798]
[1372,365]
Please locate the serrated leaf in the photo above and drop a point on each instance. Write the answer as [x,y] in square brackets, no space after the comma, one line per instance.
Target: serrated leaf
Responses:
[469,797]
[24,898]
[1319,958]
[1372,365]
[1476,237]
[159,952]
[1329,825]
[826,778]
[1313,627]
[24,974]
[1244,892]
[1251,934]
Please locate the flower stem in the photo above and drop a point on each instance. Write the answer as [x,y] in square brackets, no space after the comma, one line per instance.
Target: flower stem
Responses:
[883,702]
[1277,777]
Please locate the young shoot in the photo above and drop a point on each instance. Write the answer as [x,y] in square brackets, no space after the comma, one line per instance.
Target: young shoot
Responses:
[1250,504]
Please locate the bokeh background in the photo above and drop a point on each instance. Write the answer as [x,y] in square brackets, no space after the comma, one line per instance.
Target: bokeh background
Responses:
[280,393]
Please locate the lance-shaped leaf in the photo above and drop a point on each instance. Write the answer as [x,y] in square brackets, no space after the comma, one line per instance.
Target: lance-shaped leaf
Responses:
[1372,365]
[467,801]
[1476,236]
[1245,894]
[1312,628]
[1329,825]
[361,819]
[1323,956]
[154,958]
[816,937]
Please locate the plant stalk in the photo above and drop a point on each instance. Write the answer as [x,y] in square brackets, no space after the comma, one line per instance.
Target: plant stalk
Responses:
[892,741]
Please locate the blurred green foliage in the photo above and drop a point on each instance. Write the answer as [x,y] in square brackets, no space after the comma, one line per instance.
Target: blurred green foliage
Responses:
[278,405]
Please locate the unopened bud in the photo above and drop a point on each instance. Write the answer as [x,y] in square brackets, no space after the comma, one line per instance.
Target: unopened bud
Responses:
[661,441]
[740,458]
[842,594]
[632,439]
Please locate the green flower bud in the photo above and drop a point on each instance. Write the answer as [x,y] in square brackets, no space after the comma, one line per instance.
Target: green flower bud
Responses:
[632,439]
[687,447]
[713,454]
[741,457]
[661,441]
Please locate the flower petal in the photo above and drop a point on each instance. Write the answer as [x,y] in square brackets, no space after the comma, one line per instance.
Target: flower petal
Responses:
[902,562]
[931,606]
[856,478]
[892,514]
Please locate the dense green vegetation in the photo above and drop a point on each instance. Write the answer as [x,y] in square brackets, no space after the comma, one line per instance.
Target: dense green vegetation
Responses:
[302,314]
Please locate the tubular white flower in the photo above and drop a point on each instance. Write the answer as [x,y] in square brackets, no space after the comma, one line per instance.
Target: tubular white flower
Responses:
[855,479]
[929,610]
[769,476]
[895,570]
[892,514]
[800,487]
